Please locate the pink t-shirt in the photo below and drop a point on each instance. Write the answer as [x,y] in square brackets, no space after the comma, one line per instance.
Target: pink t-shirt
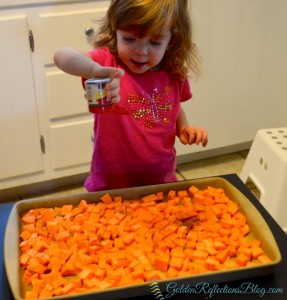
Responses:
[137,149]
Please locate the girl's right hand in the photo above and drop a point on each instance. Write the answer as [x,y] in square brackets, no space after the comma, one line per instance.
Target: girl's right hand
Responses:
[78,63]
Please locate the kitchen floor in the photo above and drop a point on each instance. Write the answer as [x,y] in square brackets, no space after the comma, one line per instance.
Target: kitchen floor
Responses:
[219,165]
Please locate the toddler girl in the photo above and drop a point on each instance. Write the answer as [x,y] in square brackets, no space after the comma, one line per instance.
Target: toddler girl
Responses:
[146,47]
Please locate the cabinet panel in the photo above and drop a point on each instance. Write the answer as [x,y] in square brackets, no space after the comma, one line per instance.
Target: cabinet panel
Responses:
[243,87]
[70,124]
[20,151]
[66,29]
[72,144]
[65,95]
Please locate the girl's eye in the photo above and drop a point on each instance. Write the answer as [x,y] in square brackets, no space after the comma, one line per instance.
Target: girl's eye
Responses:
[155,43]
[128,39]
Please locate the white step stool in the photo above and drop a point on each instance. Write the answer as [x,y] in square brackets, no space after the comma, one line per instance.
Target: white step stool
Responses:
[266,166]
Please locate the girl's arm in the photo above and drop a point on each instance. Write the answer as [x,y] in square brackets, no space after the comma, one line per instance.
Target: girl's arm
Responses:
[80,64]
[188,134]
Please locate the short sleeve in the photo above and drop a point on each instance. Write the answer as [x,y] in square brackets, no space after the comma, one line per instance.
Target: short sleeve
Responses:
[186,93]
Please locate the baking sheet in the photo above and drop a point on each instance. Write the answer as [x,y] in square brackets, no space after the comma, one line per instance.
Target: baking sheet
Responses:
[258,227]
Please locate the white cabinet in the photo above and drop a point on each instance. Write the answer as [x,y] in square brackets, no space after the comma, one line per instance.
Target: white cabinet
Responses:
[243,87]
[46,130]
[69,129]
[20,150]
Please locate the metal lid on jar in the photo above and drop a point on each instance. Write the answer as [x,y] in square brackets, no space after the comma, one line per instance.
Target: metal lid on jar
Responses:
[98,80]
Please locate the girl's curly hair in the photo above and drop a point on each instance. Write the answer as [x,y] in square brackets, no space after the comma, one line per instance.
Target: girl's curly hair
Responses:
[149,16]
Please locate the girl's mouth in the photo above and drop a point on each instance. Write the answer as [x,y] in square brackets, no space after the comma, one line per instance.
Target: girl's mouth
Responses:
[137,63]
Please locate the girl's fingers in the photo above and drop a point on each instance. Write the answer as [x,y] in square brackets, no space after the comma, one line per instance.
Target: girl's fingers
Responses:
[110,72]
[113,90]
[195,135]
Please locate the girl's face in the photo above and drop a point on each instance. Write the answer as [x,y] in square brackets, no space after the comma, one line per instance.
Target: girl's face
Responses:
[142,54]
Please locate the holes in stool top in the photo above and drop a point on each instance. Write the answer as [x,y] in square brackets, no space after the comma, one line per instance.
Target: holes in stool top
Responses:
[265,165]
[279,136]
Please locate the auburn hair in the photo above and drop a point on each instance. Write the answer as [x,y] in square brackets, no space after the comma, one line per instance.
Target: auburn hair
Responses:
[151,16]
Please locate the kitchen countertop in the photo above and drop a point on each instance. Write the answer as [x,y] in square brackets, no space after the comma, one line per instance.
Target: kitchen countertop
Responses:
[272,286]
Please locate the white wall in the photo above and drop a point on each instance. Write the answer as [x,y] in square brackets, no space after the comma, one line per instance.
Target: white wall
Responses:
[243,44]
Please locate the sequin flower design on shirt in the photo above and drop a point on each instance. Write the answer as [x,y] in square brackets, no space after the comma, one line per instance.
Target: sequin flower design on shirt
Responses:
[150,109]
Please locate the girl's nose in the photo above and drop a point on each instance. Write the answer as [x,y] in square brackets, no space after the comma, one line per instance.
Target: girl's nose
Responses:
[141,49]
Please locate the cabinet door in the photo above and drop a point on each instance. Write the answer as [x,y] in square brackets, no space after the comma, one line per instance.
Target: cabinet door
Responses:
[20,151]
[70,123]
[243,87]
[64,27]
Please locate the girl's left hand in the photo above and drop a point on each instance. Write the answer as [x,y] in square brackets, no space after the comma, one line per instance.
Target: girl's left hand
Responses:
[113,90]
[190,135]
